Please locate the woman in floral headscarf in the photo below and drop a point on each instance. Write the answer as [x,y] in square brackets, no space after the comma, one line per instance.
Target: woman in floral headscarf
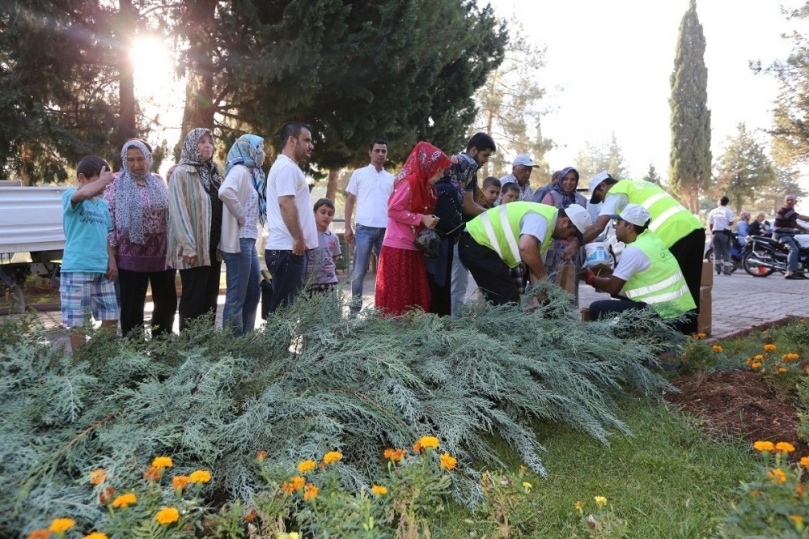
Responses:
[401,282]
[139,208]
[245,207]
[195,225]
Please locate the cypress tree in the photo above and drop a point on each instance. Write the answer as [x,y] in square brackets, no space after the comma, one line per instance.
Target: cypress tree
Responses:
[690,160]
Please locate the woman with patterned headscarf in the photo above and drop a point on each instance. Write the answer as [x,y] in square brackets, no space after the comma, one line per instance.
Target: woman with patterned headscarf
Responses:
[401,282]
[139,208]
[245,207]
[195,225]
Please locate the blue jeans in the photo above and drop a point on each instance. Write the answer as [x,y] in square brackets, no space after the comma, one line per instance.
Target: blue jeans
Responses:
[288,273]
[365,239]
[243,275]
[789,241]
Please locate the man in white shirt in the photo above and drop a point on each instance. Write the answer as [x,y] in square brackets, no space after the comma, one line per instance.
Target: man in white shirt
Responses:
[720,219]
[290,217]
[521,170]
[369,188]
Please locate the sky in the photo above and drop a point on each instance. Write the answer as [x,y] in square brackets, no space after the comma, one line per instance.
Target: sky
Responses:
[609,63]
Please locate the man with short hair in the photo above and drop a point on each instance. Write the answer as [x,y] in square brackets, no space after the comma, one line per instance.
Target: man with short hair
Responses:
[784,230]
[290,219]
[369,188]
[464,173]
[720,219]
[521,170]
[647,275]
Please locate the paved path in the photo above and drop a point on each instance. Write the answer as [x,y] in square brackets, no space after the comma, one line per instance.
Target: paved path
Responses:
[739,301]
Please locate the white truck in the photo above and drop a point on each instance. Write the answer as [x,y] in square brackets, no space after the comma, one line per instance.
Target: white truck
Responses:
[31,234]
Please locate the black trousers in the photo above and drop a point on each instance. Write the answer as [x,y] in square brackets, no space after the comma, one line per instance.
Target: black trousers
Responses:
[200,290]
[607,308]
[491,274]
[133,286]
[688,252]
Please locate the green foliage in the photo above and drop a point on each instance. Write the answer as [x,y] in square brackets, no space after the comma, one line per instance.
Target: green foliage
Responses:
[744,170]
[594,159]
[690,160]
[652,176]
[699,356]
[299,389]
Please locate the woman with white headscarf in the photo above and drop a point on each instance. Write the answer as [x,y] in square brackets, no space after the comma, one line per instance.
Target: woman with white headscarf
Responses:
[195,225]
[243,194]
[139,208]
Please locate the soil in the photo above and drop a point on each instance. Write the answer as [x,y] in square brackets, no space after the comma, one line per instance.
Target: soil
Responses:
[739,403]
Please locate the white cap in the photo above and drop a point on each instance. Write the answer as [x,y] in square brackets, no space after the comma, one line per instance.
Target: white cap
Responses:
[635,214]
[595,181]
[580,218]
[524,160]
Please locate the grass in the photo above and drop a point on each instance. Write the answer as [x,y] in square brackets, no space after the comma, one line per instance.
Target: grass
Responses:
[669,480]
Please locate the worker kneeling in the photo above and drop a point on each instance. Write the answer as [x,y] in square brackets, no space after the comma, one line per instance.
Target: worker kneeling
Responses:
[647,274]
[507,235]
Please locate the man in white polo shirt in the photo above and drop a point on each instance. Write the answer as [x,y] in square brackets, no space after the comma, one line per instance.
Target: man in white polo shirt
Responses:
[290,217]
[369,188]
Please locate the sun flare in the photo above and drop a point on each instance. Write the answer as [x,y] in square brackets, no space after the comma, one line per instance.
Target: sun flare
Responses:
[153,63]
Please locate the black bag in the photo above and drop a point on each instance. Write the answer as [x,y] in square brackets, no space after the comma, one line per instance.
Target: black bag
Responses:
[266,296]
[428,242]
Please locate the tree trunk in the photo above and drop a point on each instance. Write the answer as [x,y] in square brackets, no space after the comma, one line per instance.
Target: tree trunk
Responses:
[126,75]
[199,105]
[331,186]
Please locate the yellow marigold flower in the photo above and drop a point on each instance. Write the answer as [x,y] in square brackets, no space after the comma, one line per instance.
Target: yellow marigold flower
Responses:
[759,357]
[770,347]
[39,534]
[701,335]
[579,506]
[601,501]
[96,535]
[61,525]
[379,490]
[310,492]
[179,482]
[97,476]
[804,462]
[527,486]
[716,348]
[763,446]
[782,369]
[290,535]
[167,515]
[448,462]
[395,454]
[306,466]
[426,442]
[797,519]
[162,462]
[261,455]
[332,456]
[125,500]
[200,476]
[293,485]
[786,447]
[777,475]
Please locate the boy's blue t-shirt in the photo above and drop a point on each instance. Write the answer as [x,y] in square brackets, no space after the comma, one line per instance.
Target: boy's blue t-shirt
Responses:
[86,225]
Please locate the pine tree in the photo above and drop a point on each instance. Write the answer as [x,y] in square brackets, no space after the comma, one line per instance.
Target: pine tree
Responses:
[744,170]
[652,175]
[690,161]
[594,159]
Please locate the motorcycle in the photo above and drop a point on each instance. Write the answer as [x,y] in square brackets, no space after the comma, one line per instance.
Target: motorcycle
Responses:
[736,254]
[766,256]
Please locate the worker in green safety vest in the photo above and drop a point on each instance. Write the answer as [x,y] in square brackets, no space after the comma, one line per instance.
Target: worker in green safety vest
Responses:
[514,233]
[679,230]
[646,276]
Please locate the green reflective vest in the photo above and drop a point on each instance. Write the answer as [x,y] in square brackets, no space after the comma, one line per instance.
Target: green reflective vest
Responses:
[671,221]
[499,228]
[662,286]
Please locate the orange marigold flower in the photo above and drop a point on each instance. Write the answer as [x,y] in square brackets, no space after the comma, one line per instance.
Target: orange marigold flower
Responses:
[777,475]
[106,495]
[162,462]
[167,515]
[261,455]
[310,492]
[179,482]
[786,447]
[770,347]
[60,525]
[782,369]
[448,462]
[800,489]
[717,348]
[125,500]
[200,476]
[797,519]
[152,473]
[759,357]
[306,466]
[763,446]
[804,462]
[332,456]
[379,490]
[426,442]
[97,476]
[251,516]
[293,485]
[755,365]
[395,454]
[96,535]
[39,534]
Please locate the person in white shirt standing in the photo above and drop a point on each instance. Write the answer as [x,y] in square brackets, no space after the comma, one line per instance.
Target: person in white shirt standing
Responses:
[290,220]
[369,188]
[720,219]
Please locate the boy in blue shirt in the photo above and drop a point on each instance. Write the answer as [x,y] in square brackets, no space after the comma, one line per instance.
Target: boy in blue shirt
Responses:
[88,265]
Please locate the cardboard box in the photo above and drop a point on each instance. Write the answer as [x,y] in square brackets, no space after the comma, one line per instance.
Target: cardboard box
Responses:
[707,274]
[705,310]
[585,315]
